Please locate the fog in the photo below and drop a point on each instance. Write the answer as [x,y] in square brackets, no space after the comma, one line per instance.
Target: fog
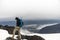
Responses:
[30,9]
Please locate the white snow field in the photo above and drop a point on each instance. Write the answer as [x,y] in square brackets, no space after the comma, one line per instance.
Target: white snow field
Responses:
[4,34]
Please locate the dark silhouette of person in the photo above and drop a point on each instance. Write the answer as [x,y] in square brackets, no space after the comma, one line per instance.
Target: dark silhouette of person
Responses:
[19,24]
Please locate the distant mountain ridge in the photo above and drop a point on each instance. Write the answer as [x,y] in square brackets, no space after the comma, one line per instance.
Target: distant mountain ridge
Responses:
[27,22]
[51,29]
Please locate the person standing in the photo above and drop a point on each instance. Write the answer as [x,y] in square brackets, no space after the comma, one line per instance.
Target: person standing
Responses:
[19,24]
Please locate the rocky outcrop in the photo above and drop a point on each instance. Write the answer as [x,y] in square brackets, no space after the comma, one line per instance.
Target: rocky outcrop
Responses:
[10,31]
[35,37]
[27,37]
[8,28]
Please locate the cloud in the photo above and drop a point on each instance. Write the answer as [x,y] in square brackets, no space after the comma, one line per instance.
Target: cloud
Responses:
[30,9]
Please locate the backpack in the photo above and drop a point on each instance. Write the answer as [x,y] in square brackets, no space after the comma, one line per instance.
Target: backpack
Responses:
[21,23]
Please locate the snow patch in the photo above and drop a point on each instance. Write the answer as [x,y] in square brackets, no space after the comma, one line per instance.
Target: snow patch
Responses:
[3,34]
[24,31]
[45,25]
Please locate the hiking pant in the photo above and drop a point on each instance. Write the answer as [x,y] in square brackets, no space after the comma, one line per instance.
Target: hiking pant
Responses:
[17,29]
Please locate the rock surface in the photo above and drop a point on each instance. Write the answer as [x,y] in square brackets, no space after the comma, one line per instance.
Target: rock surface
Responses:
[10,31]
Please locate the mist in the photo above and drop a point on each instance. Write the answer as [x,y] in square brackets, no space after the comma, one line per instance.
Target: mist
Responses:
[30,9]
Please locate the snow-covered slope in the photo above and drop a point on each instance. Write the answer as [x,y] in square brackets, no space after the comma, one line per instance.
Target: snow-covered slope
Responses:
[48,36]
[45,25]
[4,34]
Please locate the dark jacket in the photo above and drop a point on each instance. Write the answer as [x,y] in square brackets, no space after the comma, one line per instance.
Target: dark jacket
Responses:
[19,22]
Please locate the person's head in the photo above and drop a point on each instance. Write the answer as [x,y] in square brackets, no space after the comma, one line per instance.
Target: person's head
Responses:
[16,18]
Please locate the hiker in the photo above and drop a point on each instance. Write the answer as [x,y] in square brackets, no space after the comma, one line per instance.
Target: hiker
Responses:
[19,24]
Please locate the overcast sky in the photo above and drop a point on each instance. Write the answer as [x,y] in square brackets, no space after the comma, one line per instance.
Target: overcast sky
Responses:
[30,9]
